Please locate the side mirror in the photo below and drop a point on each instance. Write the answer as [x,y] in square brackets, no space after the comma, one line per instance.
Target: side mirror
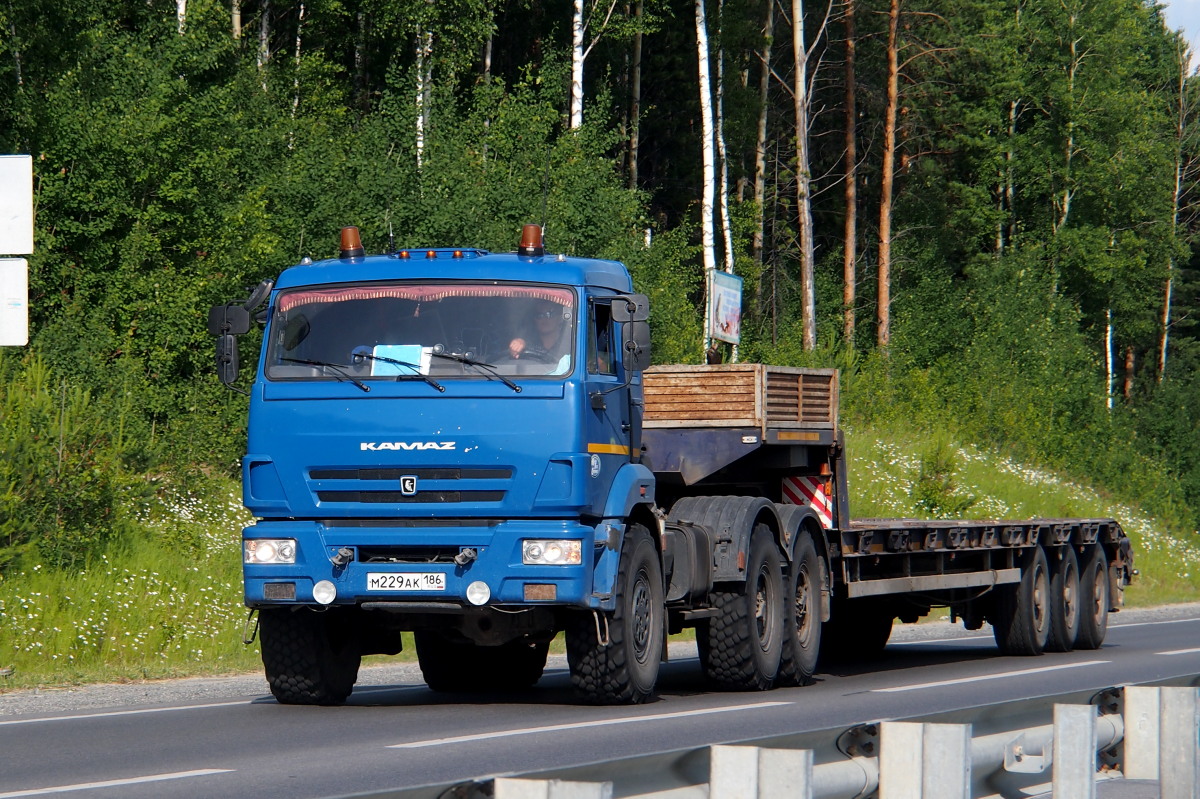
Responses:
[637,345]
[227,359]
[231,319]
[631,308]
[260,293]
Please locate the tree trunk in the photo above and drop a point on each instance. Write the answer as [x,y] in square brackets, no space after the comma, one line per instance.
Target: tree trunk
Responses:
[803,180]
[296,66]
[1108,356]
[360,56]
[577,66]
[635,99]
[235,17]
[884,303]
[1127,391]
[850,231]
[708,243]
[760,150]
[264,39]
[181,14]
[424,78]
[16,48]
[1183,55]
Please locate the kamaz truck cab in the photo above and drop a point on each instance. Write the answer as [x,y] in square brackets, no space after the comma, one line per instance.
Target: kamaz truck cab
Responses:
[443,441]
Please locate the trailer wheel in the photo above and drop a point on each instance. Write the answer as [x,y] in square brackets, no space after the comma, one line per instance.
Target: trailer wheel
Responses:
[1021,622]
[1093,598]
[310,658]
[741,647]
[1064,602]
[624,668]
[460,666]
[802,616]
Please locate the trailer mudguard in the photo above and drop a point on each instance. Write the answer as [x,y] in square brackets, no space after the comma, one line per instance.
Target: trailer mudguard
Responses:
[792,519]
[730,520]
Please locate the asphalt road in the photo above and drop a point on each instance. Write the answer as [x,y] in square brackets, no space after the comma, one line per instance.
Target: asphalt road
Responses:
[228,738]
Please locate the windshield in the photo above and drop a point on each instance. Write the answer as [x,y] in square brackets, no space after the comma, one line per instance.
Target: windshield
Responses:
[399,330]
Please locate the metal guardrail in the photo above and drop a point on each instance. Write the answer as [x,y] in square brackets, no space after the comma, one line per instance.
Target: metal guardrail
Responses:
[1062,743]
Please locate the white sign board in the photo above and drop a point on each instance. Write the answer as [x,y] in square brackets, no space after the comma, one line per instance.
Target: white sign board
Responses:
[726,308]
[16,204]
[14,302]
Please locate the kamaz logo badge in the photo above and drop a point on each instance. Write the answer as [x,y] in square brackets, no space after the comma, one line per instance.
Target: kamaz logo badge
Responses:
[407,446]
[408,484]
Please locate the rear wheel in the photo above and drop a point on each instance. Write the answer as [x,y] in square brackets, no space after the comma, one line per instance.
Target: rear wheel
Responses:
[310,658]
[1021,619]
[742,645]
[802,616]
[460,666]
[1093,598]
[614,657]
[1064,602]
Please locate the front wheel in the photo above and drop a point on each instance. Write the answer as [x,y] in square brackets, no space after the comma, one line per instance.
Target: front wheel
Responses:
[614,657]
[310,658]
[1021,619]
[1093,598]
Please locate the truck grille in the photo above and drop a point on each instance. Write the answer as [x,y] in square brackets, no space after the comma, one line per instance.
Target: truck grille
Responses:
[381,486]
[395,497]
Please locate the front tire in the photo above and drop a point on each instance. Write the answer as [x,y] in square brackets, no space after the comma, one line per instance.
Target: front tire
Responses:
[310,658]
[1064,602]
[741,647]
[624,669]
[1021,621]
[1093,598]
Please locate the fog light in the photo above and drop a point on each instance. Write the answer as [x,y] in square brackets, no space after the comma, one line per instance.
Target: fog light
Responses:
[565,552]
[478,593]
[324,592]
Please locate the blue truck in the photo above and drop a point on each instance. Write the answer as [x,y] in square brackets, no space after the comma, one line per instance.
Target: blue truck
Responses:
[474,447]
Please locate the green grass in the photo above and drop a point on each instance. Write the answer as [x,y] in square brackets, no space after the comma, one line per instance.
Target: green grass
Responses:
[884,472]
[169,604]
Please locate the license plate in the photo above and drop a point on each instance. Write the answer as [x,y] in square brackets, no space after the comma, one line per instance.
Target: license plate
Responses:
[407,581]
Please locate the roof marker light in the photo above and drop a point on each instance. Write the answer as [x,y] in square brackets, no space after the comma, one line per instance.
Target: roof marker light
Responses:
[531,242]
[404,255]
[431,253]
[458,253]
[351,244]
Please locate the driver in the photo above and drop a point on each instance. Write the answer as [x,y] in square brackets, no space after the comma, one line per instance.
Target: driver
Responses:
[548,342]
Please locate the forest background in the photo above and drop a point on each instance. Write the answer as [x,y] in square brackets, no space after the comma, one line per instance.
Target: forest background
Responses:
[985,212]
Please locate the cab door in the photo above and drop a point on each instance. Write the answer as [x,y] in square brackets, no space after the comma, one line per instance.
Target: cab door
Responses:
[607,408]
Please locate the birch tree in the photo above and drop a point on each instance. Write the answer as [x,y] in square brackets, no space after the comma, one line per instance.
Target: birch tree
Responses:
[708,158]
[850,223]
[883,310]
[579,53]
[803,178]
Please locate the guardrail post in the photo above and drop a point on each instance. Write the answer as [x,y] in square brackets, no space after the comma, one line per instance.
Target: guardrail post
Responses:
[924,761]
[1161,727]
[1074,752]
[513,788]
[750,772]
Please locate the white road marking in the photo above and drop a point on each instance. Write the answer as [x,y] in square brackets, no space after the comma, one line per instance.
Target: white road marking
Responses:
[107,714]
[1180,651]
[87,786]
[1002,675]
[487,736]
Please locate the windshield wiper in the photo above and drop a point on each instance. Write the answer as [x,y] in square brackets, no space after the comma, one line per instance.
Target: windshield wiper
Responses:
[486,368]
[339,371]
[416,369]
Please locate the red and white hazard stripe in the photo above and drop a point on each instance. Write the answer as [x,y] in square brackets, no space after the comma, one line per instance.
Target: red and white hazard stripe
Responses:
[809,491]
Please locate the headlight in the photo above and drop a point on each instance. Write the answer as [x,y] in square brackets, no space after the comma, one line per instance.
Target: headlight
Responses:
[541,552]
[269,550]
